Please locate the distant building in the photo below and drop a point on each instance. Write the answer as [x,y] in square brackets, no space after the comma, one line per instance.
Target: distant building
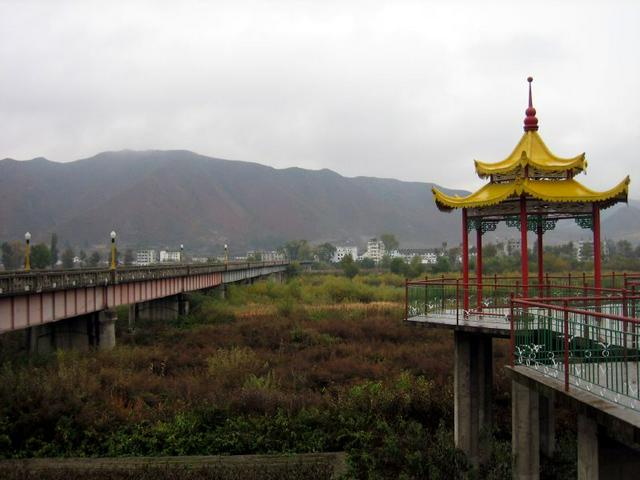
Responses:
[511,245]
[199,259]
[375,250]
[273,256]
[581,247]
[427,256]
[167,256]
[342,252]
[266,256]
[146,257]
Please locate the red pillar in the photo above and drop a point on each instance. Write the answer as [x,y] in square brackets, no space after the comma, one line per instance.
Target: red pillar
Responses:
[597,262]
[479,265]
[524,251]
[465,260]
[540,257]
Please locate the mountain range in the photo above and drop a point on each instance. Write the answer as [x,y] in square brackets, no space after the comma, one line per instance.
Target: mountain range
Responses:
[166,198]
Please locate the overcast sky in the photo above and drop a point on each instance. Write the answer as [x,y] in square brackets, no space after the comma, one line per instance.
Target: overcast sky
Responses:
[409,90]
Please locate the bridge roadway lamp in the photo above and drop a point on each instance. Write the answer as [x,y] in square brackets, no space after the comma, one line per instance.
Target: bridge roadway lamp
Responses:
[226,254]
[113,249]
[181,253]
[27,252]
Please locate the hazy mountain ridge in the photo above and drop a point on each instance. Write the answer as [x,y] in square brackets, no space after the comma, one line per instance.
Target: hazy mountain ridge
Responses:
[170,197]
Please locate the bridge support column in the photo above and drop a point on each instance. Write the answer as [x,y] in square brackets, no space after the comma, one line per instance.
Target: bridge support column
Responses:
[587,448]
[107,324]
[525,440]
[162,309]
[133,316]
[80,333]
[547,424]
[473,385]
[183,304]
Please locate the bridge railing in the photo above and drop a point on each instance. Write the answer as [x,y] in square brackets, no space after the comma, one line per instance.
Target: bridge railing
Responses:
[593,348]
[20,282]
[454,298]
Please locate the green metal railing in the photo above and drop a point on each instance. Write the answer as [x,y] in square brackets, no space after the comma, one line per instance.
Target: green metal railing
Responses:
[594,349]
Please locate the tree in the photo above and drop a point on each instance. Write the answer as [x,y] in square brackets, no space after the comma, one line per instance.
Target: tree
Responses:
[416,267]
[94,259]
[67,258]
[398,266]
[390,241]
[40,256]
[367,263]
[54,249]
[298,250]
[325,252]
[83,256]
[128,257]
[349,267]
[12,255]
[442,265]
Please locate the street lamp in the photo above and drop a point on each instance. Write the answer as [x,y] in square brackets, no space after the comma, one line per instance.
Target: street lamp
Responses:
[113,250]
[226,254]
[27,252]
[181,253]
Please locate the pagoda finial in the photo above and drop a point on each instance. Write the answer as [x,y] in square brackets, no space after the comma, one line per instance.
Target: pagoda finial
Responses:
[530,121]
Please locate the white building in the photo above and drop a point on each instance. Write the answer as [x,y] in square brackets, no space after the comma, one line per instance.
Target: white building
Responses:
[375,250]
[146,257]
[427,257]
[266,256]
[272,256]
[167,256]
[342,252]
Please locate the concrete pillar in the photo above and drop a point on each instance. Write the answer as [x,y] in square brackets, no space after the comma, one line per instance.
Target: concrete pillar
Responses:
[132,316]
[525,433]
[587,448]
[616,460]
[473,384]
[547,416]
[79,333]
[107,323]
[162,309]
[183,305]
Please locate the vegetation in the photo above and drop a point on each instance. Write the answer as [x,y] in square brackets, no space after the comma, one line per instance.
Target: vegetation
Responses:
[321,363]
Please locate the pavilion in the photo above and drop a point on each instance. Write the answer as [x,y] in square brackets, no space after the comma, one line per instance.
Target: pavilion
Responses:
[531,189]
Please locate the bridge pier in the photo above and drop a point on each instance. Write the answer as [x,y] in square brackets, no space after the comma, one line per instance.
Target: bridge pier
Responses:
[525,432]
[81,333]
[473,385]
[547,415]
[163,309]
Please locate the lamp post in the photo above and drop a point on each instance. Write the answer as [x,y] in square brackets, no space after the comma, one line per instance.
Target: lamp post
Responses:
[113,250]
[27,252]
[226,254]
[181,253]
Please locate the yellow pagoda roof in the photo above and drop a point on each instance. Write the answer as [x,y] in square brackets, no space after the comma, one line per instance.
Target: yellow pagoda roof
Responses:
[531,151]
[566,190]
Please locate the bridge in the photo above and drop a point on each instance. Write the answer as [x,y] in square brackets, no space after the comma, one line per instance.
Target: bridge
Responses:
[76,308]
[570,343]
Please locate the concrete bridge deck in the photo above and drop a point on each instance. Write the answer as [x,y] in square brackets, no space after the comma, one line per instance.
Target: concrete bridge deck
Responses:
[30,299]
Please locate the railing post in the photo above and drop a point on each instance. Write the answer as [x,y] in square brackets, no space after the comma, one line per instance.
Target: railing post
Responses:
[513,331]
[406,299]
[457,300]
[566,347]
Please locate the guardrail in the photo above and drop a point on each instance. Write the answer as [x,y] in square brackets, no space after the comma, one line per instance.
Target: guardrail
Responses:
[594,349]
[451,296]
[20,282]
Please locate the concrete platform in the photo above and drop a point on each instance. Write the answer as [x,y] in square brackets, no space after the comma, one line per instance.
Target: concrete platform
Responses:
[622,423]
[495,324]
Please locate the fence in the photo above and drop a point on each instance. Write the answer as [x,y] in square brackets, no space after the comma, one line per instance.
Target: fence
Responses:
[594,349]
